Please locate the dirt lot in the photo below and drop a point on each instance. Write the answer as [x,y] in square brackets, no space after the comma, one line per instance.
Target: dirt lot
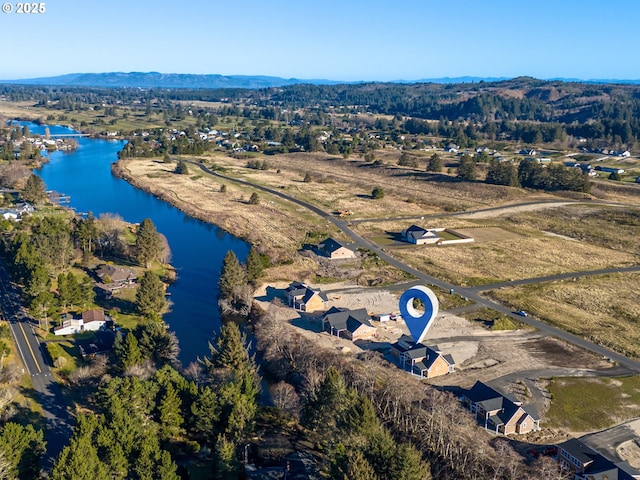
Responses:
[480,353]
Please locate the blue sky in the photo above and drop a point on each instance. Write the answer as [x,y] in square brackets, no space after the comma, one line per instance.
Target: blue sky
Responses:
[332,39]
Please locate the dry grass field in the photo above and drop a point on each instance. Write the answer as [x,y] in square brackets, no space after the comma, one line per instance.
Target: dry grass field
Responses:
[513,259]
[514,246]
[274,225]
[347,183]
[604,309]
[277,227]
[611,227]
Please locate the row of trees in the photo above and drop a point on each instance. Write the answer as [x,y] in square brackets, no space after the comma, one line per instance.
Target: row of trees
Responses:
[529,174]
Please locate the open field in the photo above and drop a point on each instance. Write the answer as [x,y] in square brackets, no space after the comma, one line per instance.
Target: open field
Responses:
[603,309]
[603,226]
[586,404]
[407,191]
[525,257]
[521,242]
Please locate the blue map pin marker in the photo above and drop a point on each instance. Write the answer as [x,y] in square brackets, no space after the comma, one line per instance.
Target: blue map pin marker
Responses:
[418,323]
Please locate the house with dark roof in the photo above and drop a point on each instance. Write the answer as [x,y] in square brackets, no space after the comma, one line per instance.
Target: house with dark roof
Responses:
[335,250]
[422,360]
[420,236]
[101,342]
[503,414]
[304,298]
[587,464]
[114,278]
[351,324]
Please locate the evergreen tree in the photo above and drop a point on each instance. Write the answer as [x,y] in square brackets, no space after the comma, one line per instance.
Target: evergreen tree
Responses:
[407,160]
[23,448]
[127,350]
[166,468]
[86,233]
[232,276]
[148,246]
[37,280]
[34,190]
[256,263]
[358,467]
[502,173]
[182,168]
[169,413]
[205,413]
[79,460]
[157,342]
[230,351]
[150,300]
[69,291]
[324,407]
[226,465]
[377,193]
[254,199]
[41,307]
[409,464]
[147,456]
[435,163]
[467,168]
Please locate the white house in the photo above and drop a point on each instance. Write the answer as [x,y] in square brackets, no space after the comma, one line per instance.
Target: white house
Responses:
[419,235]
[91,321]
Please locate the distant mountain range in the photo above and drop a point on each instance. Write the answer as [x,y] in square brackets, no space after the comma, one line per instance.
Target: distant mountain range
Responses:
[165,80]
[192,81]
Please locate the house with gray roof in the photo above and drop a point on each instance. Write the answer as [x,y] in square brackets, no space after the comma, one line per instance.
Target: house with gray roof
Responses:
[301,296]
[587,464]
[422,360]
[352,324]
[503,414]
[420,236]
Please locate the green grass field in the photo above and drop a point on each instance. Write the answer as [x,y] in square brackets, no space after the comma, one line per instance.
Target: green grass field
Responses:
[586,404]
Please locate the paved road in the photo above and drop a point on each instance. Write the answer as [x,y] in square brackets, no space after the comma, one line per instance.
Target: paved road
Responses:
[59,419]
[607,441]
[470,293]
[553,278]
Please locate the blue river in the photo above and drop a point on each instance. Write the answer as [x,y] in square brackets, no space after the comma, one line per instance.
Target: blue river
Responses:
[197,248]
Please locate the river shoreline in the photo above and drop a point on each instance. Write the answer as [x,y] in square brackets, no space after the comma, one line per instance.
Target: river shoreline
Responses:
[119,170]
[274,230]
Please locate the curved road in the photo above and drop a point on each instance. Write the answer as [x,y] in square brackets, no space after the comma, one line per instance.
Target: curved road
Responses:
[470,293]
[58,418]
